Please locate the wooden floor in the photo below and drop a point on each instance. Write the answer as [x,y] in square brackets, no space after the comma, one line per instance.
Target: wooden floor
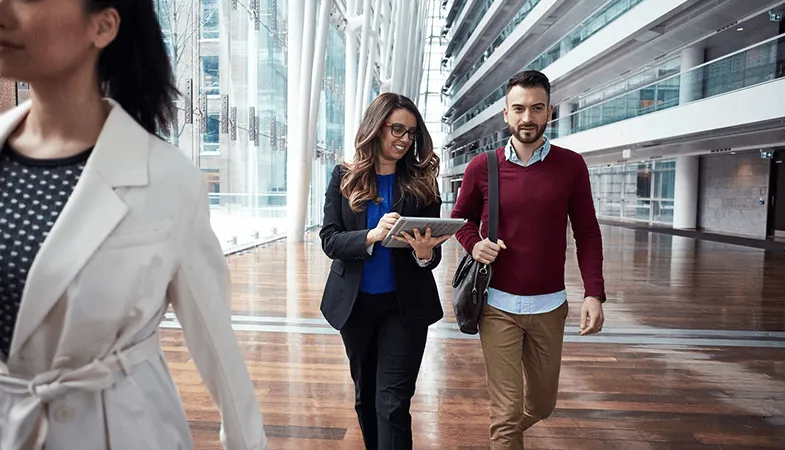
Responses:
[692,355]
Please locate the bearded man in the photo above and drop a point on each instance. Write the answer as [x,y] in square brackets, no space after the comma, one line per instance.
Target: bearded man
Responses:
[541,186]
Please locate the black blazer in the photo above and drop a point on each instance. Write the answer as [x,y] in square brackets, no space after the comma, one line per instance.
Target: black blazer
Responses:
[343,240]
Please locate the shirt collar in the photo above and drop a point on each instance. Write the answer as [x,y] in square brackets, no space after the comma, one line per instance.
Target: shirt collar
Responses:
[538,155]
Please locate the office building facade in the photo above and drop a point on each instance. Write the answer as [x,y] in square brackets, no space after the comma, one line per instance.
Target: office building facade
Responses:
[677,106]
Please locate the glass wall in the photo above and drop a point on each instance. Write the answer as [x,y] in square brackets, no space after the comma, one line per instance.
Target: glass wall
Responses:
[430,99]
[452,17]
[599,20]
[522,13]
[229,60]
[641,78]
[330,125]
[755,65]
[456,46]
[625,99]
[465,153]
[641,192]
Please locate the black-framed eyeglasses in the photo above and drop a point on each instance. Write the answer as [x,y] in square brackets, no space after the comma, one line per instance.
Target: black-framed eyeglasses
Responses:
[398,130]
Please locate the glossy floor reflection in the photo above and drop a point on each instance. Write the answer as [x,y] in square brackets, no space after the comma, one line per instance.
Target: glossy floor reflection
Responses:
[692,355]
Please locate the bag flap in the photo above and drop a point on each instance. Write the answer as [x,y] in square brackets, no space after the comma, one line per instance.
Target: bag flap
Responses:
[464,266]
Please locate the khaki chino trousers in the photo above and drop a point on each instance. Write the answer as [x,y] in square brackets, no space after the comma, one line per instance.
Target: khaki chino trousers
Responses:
[518,347]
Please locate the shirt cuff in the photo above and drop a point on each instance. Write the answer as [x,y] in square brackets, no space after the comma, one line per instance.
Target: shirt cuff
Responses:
[420,262]
[369,249]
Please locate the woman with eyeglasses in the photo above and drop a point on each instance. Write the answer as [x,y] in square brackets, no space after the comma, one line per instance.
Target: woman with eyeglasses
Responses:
[383,299]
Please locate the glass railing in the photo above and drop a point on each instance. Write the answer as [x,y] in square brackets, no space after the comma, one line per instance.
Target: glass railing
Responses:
[465,153]
[464,158]
[458,45]
[242,219]
[754,65]
[748,67]
[457,14]
[522,13]
[599,20]
[633,81]
[481,106]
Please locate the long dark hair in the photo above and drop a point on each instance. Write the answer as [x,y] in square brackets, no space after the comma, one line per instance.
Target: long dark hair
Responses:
[417,171]
[134,69]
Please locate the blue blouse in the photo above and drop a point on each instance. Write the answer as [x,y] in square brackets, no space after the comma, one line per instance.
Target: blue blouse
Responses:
[378,273]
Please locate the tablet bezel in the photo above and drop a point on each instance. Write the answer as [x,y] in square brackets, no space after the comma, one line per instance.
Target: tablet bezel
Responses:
[408,224]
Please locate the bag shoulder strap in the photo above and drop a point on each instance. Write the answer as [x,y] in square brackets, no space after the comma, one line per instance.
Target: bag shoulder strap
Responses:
[493,195]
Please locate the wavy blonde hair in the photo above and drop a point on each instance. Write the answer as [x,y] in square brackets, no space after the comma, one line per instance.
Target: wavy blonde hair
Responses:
[417,171]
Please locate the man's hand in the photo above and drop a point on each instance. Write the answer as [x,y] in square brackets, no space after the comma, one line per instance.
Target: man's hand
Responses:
[486,251]
[591,312]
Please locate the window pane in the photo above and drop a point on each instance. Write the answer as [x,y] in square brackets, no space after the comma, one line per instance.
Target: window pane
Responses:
[210,75]
[210,17]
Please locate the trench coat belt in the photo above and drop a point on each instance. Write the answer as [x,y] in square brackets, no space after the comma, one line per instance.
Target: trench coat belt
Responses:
[27,423]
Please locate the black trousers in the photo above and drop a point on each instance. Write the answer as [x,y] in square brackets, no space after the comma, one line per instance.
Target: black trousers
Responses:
[384,358]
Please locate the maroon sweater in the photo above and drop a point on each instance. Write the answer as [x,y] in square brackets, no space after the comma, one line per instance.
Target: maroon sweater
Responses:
[534,204]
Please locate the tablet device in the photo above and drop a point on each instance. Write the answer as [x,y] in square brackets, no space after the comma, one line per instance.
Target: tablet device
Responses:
[439,227]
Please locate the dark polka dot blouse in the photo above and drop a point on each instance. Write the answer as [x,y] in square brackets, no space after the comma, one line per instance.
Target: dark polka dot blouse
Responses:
[33,193]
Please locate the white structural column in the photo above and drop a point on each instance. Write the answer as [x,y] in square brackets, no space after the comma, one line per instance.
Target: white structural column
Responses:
[418,56]
[392,34]
[685,207]
[189,139]
[226,86]
[323,27]
[351,79]
[399,47]
[419,42]
[298,179]
[296,14]
[691,84]
[364,96]
[252,95]
[362,68]
[411,48]
[400,44]
[564,47]
[388,28]
[302,134]
[403,44]
[564,124]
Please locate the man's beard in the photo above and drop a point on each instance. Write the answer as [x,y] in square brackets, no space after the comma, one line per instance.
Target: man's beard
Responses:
[528,136]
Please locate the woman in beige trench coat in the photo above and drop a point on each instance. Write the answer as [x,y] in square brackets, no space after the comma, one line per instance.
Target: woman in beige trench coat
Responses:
[103,226]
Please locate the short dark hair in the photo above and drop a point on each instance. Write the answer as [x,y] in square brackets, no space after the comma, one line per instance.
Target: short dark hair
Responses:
[529,79]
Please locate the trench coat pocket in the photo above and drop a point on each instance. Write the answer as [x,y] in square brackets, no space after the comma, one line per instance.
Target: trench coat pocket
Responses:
[129,425]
